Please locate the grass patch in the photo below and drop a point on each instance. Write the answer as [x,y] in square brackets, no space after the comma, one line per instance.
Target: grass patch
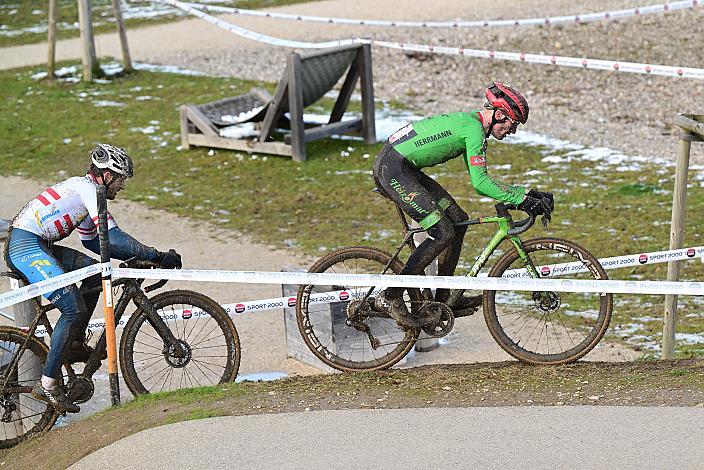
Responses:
[25,21]
[326,203]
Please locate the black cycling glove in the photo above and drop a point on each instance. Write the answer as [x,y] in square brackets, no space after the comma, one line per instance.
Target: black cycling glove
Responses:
[168,259]
[538,206]
[543,194]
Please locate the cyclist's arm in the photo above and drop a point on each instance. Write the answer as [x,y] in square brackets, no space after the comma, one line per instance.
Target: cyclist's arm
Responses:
[122,245]
[484,184]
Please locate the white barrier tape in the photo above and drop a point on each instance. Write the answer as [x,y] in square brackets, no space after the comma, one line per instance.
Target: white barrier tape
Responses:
[237,308]
[615,262]
[49,285]
[254,36]
[438,282]
[578,62]
[552,20]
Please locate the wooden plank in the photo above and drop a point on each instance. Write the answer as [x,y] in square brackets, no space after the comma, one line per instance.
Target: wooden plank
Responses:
[295,107]
[343,99]
[183,112]
[367,85]
[275,148]
[263,95]
[693,124]
[200,121]
[51,39]
[337,128]
[329,51]
[274,112]
[117,11]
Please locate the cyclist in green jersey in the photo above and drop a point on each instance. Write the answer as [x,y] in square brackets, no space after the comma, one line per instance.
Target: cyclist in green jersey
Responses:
[434,140]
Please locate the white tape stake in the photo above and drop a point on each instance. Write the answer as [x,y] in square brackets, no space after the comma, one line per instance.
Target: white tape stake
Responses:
[545,21]
[577,62]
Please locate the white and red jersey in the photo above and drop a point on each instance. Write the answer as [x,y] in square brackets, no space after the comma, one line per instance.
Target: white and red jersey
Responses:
[61,208]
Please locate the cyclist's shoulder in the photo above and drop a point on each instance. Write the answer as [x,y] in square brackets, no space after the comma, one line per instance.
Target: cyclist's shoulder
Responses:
[81,186]
[78,183]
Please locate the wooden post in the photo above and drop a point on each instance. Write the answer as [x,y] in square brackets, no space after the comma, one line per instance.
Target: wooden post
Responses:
[90,62]
[679,198]
[51,39]
[123,35]
[367,85]
[692,127]
[295,107]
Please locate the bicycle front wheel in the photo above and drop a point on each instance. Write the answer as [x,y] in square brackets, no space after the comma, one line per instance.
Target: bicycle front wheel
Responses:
[322,313]
[548,327]
[203,329]
[22,415]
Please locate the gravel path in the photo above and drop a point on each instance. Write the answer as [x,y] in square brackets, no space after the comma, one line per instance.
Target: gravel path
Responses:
[628,112]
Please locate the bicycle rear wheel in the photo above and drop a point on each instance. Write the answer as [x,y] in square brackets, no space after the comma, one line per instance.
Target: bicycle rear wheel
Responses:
[322,323]
[204,330]
[22,415]
[548,327]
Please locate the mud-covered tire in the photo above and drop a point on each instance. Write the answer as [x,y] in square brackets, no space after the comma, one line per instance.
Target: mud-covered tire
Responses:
[322,324]
[529,332]
[32,416]
[212,341]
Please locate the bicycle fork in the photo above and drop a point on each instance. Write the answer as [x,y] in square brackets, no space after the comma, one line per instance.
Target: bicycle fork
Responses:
[173,347]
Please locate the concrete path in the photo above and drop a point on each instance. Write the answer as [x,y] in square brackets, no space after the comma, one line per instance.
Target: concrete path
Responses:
[503,437]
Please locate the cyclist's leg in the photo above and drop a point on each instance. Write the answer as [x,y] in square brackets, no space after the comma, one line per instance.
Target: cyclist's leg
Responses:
[402,183]
[30,255]
[448,259]
[71,260]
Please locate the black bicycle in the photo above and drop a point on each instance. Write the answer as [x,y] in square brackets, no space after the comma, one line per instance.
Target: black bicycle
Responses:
[172,340]
[342,327]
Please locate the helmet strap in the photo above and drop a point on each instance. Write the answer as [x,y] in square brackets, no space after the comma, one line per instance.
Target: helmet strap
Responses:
[493,121]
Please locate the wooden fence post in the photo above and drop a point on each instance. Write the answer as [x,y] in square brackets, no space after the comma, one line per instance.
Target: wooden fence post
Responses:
[692,128]
[51,39]
[90,62]
[123,35]
[679,198]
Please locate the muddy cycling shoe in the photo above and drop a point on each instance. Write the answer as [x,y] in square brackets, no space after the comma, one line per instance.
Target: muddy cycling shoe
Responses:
[78,352]
[56,397]
[396,308]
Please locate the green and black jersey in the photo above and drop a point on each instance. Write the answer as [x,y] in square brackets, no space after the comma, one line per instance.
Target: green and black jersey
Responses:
[440,138]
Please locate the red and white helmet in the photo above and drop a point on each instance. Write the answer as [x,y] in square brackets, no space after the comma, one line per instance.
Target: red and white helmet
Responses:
[508,100]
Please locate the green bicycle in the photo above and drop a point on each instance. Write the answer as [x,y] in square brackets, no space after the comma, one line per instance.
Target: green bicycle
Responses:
[348,334]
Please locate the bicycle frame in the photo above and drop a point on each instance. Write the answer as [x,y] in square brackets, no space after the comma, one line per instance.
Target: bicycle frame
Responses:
[132,291]
[507,229]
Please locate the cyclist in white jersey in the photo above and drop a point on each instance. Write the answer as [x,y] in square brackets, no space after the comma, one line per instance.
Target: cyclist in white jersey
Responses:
[31,250]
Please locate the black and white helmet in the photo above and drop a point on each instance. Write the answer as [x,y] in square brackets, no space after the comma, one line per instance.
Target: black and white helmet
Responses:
[106,156]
